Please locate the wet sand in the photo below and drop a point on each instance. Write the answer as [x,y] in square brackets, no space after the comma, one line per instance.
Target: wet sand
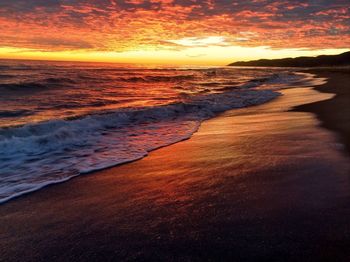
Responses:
[335,113]
[256,184]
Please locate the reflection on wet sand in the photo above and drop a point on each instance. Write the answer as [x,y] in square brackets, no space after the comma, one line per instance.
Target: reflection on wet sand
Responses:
[252,184]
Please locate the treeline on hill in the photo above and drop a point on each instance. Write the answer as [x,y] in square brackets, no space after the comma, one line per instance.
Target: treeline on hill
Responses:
[322,60]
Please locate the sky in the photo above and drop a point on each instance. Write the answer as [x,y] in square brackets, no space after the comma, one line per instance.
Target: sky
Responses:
[172,31]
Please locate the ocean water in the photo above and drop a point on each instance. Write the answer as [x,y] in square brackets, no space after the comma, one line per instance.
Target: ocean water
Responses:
[59,120]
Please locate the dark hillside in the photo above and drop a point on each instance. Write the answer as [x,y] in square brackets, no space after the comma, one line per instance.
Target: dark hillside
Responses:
[323,60]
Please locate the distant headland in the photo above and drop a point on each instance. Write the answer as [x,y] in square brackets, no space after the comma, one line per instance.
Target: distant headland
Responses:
[322,60]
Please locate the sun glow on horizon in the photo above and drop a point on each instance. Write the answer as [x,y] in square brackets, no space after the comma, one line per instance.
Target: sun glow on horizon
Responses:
[212,32]
[194,54]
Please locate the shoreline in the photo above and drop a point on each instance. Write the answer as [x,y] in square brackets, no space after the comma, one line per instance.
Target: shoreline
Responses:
[334,113]
[249,185]
[31,187]
[138,158]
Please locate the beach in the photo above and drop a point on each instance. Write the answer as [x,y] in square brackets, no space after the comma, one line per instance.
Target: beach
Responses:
[335,113]
[263,183]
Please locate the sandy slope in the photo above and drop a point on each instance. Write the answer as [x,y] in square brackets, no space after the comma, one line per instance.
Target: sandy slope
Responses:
[259,184]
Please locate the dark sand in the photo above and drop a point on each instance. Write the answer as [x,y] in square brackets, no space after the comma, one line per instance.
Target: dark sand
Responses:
[256,184]
[334,113]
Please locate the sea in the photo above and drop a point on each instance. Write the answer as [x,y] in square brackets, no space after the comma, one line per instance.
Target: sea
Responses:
[59,120]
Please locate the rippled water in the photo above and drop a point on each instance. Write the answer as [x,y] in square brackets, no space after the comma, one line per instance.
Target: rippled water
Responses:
[59,120]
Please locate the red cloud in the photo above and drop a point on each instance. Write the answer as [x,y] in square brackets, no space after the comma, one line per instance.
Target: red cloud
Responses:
[134,24]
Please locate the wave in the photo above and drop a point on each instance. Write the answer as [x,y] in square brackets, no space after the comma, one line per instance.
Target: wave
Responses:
[4,67]
[59,80]
[15,113]
[6,76]
[53,82]
[39,84]
[20,67]
[72,104]
[157,78]
[20,86]
[36,155]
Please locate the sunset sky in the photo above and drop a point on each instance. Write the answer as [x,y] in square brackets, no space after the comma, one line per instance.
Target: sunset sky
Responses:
[172,31]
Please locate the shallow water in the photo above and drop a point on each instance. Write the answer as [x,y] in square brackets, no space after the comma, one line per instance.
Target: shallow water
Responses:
[254,184]
[60,120]
[40,91]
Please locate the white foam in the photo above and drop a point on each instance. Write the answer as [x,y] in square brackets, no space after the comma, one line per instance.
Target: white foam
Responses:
[37,155]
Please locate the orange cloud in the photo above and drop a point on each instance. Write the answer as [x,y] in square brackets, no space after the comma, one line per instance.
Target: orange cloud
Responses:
[119,26]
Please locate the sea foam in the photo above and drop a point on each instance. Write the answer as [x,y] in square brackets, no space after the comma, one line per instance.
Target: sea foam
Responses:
[35,155]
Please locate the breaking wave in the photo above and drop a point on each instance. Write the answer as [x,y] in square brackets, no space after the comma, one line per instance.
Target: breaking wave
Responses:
[153,79]
[36,155]
[97,118]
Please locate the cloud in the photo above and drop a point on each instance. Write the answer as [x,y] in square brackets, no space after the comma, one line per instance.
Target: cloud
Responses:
[199,42]
[118,25]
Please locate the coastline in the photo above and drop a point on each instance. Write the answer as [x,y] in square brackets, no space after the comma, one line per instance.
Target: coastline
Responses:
[65,137]
[258,183]
[334,113]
